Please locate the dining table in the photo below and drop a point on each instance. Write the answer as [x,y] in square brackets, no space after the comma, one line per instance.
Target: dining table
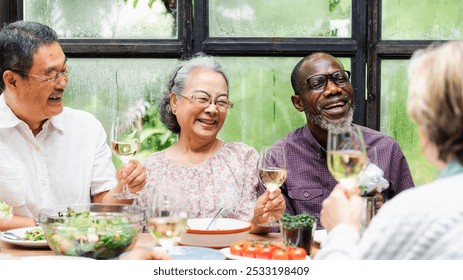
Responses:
[144,241]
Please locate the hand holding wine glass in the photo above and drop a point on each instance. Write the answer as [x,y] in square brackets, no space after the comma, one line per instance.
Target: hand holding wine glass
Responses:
[272,173]
[347,157]
[125,142]
[167,214]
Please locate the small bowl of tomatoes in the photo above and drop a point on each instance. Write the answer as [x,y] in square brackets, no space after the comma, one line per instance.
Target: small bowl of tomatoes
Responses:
[245,249]
[222,234]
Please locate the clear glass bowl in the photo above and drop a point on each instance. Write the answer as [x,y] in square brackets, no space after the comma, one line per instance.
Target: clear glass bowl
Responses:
[99,231]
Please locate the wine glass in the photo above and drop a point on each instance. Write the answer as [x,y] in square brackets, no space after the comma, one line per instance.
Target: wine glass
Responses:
[125,142]
[347,157]
[272,173]
[167,215]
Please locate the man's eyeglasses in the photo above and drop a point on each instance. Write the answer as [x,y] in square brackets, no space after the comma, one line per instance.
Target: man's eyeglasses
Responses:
[204,99]
[52,80]
[319,81]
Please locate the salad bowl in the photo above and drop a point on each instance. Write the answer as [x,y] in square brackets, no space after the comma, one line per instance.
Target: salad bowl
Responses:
[98,231]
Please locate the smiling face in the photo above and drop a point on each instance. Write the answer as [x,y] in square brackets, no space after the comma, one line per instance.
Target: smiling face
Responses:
[198,121]
[328,107]
[32,99]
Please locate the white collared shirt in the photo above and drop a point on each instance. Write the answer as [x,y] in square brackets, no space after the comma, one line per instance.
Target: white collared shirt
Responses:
[66,163]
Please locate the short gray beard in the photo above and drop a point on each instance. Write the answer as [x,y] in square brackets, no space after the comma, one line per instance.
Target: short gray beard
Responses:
[326,124]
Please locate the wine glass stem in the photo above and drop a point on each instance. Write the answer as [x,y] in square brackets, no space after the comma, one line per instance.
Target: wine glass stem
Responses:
[271,218]
[168,245]
[125,189]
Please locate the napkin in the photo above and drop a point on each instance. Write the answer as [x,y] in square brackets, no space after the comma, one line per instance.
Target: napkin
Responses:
[372,179]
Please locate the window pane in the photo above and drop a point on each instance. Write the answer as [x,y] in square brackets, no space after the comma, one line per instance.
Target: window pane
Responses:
[105,18]
[103,86]
[261,91]
[396,123]
[422,19]
[264,18]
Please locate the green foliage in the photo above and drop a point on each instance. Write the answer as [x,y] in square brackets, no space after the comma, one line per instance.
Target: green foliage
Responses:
[303,220]
[154,136]
[135,3]
[332,5]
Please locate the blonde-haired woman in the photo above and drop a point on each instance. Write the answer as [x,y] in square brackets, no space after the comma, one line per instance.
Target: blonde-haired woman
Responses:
[425,222]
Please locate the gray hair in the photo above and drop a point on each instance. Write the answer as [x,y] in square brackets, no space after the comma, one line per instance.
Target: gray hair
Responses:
[18,42]
[177,83]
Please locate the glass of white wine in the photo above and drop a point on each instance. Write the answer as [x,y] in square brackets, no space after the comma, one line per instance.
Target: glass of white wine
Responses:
[272,173]
[347,157]
[167,215]
[125,142]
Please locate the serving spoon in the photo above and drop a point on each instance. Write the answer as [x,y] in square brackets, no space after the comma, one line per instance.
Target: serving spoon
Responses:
[214,220]
[12,236]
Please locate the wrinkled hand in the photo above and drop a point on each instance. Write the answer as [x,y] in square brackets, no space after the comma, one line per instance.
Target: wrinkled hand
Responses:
[269,204]
[341,206]
[133,173]
[144,254]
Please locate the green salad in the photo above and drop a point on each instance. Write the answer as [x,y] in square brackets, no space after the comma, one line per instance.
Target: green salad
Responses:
[101,236]
[35,234]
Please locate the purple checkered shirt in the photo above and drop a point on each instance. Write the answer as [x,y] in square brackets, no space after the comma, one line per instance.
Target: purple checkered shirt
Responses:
[309,181]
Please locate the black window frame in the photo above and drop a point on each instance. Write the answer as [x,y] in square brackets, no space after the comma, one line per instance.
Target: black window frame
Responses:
[365,48]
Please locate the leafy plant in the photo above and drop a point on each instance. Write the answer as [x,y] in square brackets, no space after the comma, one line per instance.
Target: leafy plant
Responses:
[332,4]
[303,220]
[154,136]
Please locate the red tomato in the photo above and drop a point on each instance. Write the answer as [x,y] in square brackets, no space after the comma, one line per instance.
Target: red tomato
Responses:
[238,247]
[297,254]
[250,251]
[265,253]
[280,254]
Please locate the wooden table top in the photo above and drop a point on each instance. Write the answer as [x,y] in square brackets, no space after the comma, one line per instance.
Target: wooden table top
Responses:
[144,240]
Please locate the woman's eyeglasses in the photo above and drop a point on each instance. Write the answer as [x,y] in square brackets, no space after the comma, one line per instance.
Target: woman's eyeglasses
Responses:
[205,100]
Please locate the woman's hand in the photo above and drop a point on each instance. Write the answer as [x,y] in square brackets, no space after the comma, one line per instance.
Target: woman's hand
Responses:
[133,174]
[341,207]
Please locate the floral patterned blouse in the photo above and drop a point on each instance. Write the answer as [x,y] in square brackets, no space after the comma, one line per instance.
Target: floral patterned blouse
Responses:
[227,179]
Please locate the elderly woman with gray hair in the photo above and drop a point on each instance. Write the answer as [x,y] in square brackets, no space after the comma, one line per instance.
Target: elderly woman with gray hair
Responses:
[425,222]
[214,174]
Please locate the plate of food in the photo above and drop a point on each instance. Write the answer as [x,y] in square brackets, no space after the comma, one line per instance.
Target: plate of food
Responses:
[56,257]
[27,237]
[192,253]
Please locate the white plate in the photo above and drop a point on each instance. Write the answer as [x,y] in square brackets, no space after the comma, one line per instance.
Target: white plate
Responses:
[57,257]
[26,243]
[226,252]
[320,236]
[192,253]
